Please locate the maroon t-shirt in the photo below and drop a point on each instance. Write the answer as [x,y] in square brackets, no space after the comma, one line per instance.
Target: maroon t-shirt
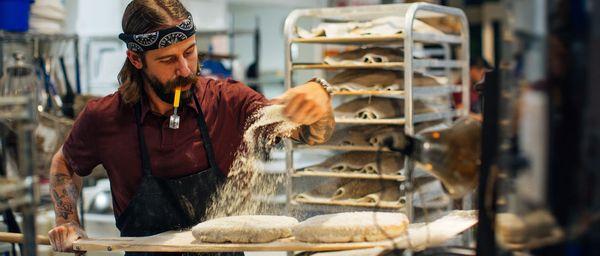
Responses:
[105,133]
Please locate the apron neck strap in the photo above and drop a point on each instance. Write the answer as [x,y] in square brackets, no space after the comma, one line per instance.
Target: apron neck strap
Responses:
[141,141]
[206,137]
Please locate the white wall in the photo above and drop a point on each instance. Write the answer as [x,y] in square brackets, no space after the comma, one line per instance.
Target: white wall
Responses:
[208,14]
[271,32]
[271,20]
[93,19]
[96,20]
[103,18]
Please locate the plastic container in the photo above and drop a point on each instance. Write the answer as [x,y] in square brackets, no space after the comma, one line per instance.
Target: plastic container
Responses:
[14,15]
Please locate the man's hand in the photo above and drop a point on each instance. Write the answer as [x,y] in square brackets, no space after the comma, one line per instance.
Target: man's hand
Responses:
[63,236]
[305,104]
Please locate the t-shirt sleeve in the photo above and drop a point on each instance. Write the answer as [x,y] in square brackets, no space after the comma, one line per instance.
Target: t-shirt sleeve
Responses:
[79,148]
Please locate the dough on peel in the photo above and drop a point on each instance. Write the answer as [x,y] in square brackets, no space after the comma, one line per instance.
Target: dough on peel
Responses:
[244,229]
[351,227]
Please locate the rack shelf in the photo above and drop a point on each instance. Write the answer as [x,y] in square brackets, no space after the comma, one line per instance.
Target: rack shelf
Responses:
[343,148]
[419,118]
[420,91]
[418,63]
[420,37]
[350,40]
[323,208]
[390,205]
[14,36]
[378,93]
[386,65]
[435,116]
[349,175]
[436,63]
[392,121]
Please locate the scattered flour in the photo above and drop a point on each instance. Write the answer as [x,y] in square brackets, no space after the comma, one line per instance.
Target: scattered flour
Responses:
[246,181]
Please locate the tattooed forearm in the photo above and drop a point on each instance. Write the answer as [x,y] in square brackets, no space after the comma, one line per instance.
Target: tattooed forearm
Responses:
[64,190]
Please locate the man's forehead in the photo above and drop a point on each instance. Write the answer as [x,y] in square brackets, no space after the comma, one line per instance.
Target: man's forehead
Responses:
[174,48]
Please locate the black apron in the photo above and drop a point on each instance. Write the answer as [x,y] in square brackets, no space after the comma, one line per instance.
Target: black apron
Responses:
[162,204]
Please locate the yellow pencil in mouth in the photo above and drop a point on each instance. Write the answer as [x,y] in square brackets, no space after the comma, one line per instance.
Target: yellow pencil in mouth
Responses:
[177,96]
[174,120]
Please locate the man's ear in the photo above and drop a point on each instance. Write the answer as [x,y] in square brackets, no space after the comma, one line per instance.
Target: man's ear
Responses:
[135,59]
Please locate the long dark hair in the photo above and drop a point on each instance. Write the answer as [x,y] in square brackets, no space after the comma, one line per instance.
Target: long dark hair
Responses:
[144,16]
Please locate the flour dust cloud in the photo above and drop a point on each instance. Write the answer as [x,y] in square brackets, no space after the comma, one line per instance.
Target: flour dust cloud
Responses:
[246,181]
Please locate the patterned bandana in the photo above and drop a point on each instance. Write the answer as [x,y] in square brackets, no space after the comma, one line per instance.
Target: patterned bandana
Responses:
[159,39]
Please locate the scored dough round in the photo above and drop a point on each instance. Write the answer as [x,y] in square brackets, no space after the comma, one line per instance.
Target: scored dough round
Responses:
[351,227]
[245,229]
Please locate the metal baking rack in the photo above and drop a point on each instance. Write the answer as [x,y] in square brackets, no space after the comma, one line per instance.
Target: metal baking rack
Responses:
[407,39]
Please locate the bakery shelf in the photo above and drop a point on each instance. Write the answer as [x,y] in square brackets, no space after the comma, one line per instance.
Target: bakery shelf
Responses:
[419,91]
[393,121]
[417,63]
[294,206]
[437,63]
[371,39]
[384,65]
[349,175]
[435,116]
[399,94]
[418,118]
[350,40]
[15,36]
[436,38]
[351,203]
[342,148]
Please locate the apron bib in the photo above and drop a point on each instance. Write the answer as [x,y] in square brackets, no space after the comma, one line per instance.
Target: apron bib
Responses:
[162,204]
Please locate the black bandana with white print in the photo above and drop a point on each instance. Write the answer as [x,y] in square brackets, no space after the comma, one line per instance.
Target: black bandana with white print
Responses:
[161,38]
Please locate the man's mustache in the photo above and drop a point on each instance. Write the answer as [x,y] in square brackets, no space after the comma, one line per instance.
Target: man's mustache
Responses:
[179,81]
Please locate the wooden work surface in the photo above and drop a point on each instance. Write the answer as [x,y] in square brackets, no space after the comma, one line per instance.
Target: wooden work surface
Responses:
[421,236]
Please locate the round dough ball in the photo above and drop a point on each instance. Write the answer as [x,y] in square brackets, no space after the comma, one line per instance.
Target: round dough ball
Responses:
[245,229]
[351,227]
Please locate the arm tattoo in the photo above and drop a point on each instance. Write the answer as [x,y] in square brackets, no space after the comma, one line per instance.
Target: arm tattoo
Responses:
[60,179]
[63,207]
[65,196]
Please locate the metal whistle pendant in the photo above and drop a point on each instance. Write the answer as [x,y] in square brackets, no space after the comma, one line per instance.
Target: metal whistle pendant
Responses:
[174,119]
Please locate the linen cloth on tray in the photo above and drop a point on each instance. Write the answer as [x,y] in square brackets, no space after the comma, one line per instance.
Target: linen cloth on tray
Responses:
[376,80]
[375,108]
[372,135]
[357,189]
[323,191]
[351,136]
[374,192]
[388,25]
[366,55]
[361,162]
[388,194]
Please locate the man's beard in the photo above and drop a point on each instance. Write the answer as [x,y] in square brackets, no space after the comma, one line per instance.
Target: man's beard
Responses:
[166,91]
